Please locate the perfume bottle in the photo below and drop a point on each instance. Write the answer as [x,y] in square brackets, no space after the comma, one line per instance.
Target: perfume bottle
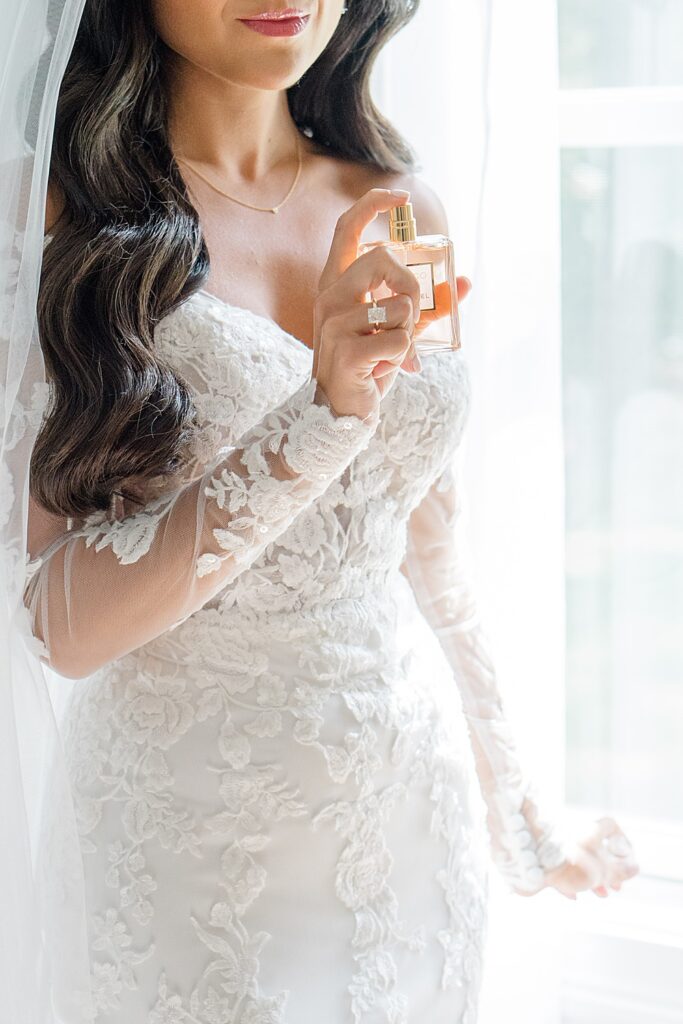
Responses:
[430,258]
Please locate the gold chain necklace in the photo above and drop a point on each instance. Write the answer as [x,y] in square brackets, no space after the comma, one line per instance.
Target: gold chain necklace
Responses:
[267,209]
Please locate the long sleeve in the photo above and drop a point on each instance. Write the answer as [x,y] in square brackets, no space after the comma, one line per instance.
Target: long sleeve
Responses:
[524,843]
[108,587]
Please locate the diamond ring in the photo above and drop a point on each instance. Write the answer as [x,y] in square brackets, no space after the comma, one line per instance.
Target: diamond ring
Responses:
[376,314]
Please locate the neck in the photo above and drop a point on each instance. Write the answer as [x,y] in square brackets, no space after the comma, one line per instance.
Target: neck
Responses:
[242,133]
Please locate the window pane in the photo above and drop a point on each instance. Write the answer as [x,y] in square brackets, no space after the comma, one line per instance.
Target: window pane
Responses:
[620,42]
[622,324]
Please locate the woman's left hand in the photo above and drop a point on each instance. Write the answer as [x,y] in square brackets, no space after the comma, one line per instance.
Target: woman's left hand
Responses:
[603,859]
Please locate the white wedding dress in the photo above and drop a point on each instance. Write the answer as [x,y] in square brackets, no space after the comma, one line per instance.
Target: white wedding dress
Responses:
[284,716]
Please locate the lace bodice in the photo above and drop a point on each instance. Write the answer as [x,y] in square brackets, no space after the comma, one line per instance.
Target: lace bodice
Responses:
[355,531]
[284,517]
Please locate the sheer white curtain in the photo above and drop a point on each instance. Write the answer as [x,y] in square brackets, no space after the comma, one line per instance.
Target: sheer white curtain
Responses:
[473,86]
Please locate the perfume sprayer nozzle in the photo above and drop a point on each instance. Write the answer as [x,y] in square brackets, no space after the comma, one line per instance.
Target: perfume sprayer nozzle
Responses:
[402,226]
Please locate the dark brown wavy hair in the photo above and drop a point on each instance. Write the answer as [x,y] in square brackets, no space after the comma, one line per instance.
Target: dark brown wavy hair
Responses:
[128,247]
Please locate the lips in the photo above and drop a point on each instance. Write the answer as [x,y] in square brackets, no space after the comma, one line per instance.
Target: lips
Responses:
[277,23]
[289,12]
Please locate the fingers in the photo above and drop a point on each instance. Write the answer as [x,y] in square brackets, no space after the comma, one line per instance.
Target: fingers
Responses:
[612,846]
[464,287]
[350,226]
[602,860]
[615,844]
[607,826]
[371,355]
[399,310]
[398,329]
[381,352]
[600,832]
[363,276]
[380,265]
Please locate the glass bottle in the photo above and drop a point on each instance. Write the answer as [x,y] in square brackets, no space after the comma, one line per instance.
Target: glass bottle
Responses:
[430,258]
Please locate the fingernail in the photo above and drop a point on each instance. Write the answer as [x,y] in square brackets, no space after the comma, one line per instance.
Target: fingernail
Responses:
[399,191]
[416,363]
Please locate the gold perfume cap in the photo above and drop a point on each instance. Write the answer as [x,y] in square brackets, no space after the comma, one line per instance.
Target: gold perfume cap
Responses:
[402,226]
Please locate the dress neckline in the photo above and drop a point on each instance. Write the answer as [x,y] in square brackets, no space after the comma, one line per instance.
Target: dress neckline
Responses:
[240,309]
[256,316]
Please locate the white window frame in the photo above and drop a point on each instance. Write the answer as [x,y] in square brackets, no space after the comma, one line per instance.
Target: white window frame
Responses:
[623,960]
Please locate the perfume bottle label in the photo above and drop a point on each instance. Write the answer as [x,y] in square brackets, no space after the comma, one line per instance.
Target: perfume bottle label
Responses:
[424,272]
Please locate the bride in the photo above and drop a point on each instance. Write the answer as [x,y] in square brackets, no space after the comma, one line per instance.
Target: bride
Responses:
[244,545]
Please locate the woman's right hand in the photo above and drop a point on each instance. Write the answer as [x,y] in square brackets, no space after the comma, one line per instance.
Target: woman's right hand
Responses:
[354,364]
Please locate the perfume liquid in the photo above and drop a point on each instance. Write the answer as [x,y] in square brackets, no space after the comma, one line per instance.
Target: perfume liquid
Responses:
[430,258]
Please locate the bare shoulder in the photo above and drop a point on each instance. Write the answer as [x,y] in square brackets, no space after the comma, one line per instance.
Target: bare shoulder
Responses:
[430,212]
[428,208]
[351,179]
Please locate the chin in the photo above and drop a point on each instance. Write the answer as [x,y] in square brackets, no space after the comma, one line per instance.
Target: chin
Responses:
[275,80]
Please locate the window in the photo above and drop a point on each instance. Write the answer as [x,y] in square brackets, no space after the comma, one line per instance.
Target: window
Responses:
[621,136]
[620,43]
[622,325]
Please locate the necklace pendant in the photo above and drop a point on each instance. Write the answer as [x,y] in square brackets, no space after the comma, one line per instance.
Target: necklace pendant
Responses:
[270,209]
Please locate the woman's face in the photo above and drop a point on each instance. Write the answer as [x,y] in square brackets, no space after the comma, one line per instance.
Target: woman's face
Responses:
[210,35]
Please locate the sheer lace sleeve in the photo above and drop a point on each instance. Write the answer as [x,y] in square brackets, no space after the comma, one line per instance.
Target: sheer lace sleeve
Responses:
[524,842]
[106,588]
